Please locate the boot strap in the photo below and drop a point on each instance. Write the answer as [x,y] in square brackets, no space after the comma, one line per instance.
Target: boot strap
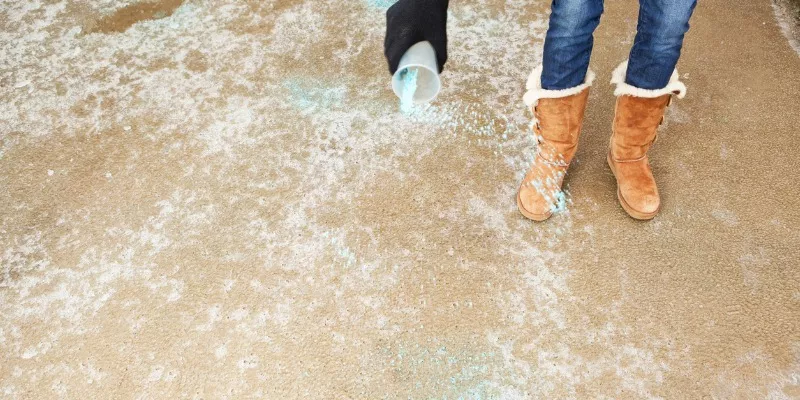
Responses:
[552,163]
[539,143]
[616,160]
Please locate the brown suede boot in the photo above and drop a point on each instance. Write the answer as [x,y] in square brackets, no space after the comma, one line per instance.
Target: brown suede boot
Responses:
[558,117]
[638,114]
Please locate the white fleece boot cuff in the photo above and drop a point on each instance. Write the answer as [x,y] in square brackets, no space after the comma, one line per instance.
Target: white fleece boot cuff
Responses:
[674,86]
[535,91]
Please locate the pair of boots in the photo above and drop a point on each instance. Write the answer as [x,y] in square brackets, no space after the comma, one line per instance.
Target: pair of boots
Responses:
[558,116]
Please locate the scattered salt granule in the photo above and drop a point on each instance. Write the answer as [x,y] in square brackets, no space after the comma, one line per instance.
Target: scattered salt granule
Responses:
[380,3]
[560,204]
[409,77]
[50,172]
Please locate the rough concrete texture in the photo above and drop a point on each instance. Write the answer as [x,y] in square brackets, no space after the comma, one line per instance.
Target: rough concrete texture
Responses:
[221,200]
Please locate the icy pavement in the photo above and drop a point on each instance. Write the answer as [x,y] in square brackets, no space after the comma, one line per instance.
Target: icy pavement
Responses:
[222,200]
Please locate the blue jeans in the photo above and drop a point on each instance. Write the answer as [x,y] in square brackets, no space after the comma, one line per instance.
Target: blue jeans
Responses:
[656,49]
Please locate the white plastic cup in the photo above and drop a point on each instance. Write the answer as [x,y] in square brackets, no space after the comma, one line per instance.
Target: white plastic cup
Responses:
[422,57]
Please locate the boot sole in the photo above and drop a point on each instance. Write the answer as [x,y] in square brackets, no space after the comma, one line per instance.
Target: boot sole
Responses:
[529,215]
[628,209]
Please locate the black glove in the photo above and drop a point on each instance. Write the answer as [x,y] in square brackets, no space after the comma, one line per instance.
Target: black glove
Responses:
[412,21]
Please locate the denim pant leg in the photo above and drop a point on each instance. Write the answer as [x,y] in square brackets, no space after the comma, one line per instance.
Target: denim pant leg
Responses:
[568,44]
[659,38]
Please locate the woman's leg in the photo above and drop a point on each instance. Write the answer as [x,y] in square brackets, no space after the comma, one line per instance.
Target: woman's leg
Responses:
[659,38]
[646,84]
[557,95]
[568,44]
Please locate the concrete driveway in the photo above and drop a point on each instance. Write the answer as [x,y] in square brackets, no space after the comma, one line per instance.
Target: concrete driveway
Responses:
[221,200]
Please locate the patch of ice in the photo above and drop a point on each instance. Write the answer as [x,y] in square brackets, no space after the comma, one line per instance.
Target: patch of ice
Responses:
[155,373]
[221,351]
[727,217]
[787,15]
